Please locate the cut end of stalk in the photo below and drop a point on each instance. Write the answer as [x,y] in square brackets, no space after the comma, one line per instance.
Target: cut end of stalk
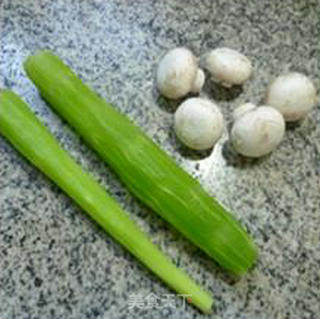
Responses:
[250,258]
[208,307]
[203,302]
[36,55]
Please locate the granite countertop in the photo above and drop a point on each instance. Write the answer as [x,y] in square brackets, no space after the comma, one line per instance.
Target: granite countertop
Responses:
[56,263]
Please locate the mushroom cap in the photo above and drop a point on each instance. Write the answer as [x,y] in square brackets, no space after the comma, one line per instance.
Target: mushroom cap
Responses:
[198,123]
[228,67]
[176,73]
[293,95]
[258,131]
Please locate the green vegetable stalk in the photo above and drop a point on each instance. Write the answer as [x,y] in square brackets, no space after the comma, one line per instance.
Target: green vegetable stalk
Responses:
[21,127]
[147,171]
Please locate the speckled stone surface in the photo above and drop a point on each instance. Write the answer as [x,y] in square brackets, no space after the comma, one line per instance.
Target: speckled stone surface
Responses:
[56,263]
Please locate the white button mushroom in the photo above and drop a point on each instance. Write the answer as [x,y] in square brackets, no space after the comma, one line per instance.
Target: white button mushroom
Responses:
[228,67]
[256,131]
[293,95]
[178,74]
[198,123]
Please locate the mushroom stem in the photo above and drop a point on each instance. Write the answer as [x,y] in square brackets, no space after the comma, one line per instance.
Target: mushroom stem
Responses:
[242,109]
[198,82]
